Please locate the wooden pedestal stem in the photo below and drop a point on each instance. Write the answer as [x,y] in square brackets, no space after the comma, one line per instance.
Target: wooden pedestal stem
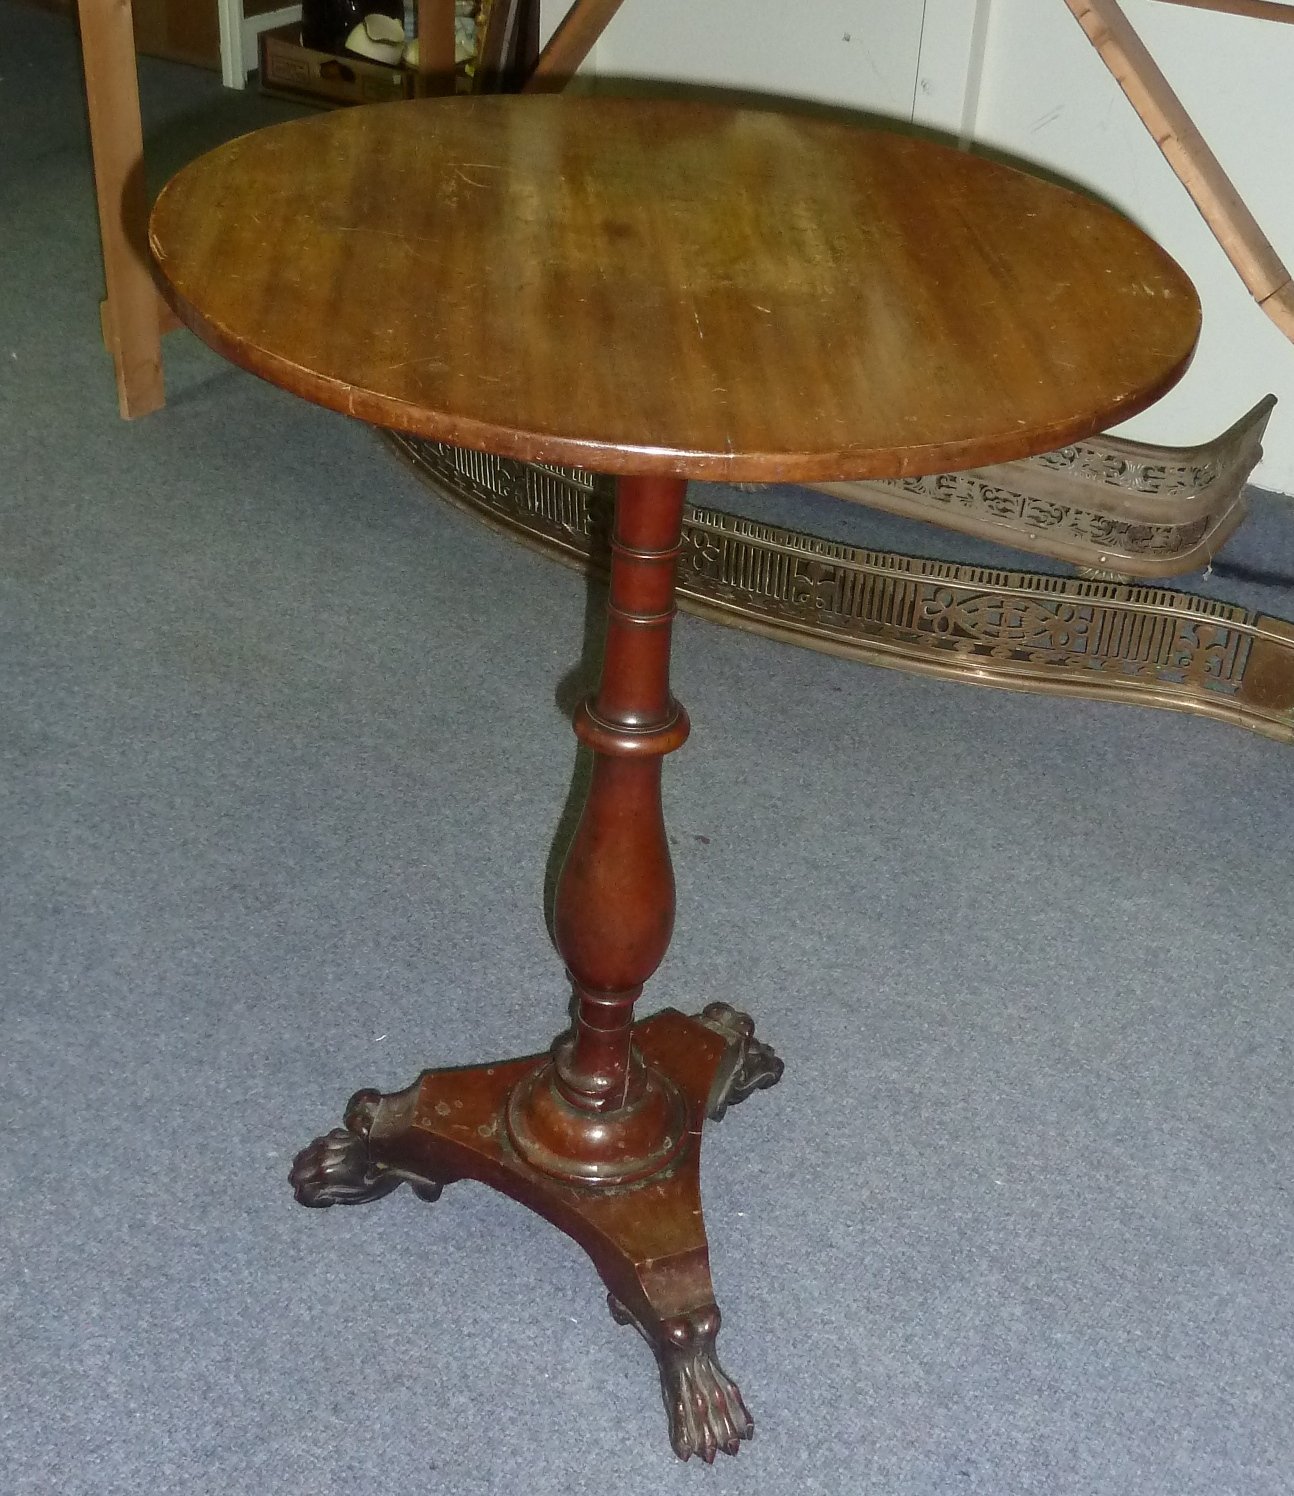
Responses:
[615,898]
[597,1113]
[603,1136]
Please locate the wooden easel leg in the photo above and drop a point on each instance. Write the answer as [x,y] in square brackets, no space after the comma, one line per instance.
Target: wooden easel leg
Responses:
[435,47]
[570,44]
[131,315]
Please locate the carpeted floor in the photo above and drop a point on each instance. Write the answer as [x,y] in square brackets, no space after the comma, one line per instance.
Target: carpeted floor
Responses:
[283,763]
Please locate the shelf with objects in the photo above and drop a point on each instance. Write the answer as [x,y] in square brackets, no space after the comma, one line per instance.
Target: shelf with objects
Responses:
[373,30]
[1125,514]
[370,52]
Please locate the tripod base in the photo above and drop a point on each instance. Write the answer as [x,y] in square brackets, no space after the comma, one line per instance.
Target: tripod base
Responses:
[646,1238]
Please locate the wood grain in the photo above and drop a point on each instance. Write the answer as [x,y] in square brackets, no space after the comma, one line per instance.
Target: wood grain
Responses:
[649,287]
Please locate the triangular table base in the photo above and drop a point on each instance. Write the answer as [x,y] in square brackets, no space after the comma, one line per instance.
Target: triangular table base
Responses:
[647,1239]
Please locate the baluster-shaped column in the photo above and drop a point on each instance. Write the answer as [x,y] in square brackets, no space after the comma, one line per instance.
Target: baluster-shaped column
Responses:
[597,1113]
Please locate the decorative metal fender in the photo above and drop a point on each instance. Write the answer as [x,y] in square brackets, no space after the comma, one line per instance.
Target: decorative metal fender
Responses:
[1024,631]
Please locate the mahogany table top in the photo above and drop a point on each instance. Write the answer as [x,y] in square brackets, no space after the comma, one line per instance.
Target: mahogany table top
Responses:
[648,287]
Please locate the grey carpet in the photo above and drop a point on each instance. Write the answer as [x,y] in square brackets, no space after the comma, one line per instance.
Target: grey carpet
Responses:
[283,763]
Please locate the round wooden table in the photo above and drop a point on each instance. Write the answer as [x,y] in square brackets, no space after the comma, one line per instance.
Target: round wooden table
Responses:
[659,291]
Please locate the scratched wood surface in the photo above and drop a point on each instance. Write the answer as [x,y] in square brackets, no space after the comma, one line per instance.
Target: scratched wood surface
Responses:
[637,286]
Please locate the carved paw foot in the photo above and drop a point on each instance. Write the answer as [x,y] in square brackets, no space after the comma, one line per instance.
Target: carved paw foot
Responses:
[749,1064]
[338,1169]
[705,1408]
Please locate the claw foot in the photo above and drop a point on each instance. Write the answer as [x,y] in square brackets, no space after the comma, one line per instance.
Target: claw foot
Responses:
[705,1408]
[338,1169]
[748,1065]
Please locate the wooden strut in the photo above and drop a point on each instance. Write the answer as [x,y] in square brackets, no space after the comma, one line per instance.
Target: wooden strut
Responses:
[1257,10]
[575,37]
[132,312]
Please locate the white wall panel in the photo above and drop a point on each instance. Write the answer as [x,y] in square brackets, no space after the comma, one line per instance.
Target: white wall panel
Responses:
[861,53]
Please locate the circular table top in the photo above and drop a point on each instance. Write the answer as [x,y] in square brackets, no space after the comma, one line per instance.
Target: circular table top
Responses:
[648,287]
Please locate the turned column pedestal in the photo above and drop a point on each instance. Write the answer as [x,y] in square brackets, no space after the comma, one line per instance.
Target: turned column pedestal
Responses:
[599,1113]
[602,1137]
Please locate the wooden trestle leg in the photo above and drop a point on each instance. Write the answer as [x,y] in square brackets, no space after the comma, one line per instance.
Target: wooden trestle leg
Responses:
[602,1136]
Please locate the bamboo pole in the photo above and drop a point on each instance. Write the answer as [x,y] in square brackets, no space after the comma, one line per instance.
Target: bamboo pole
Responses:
[1259,10]
[1188,153]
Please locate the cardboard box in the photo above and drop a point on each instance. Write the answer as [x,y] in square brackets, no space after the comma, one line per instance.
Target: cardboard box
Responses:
[290,70]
